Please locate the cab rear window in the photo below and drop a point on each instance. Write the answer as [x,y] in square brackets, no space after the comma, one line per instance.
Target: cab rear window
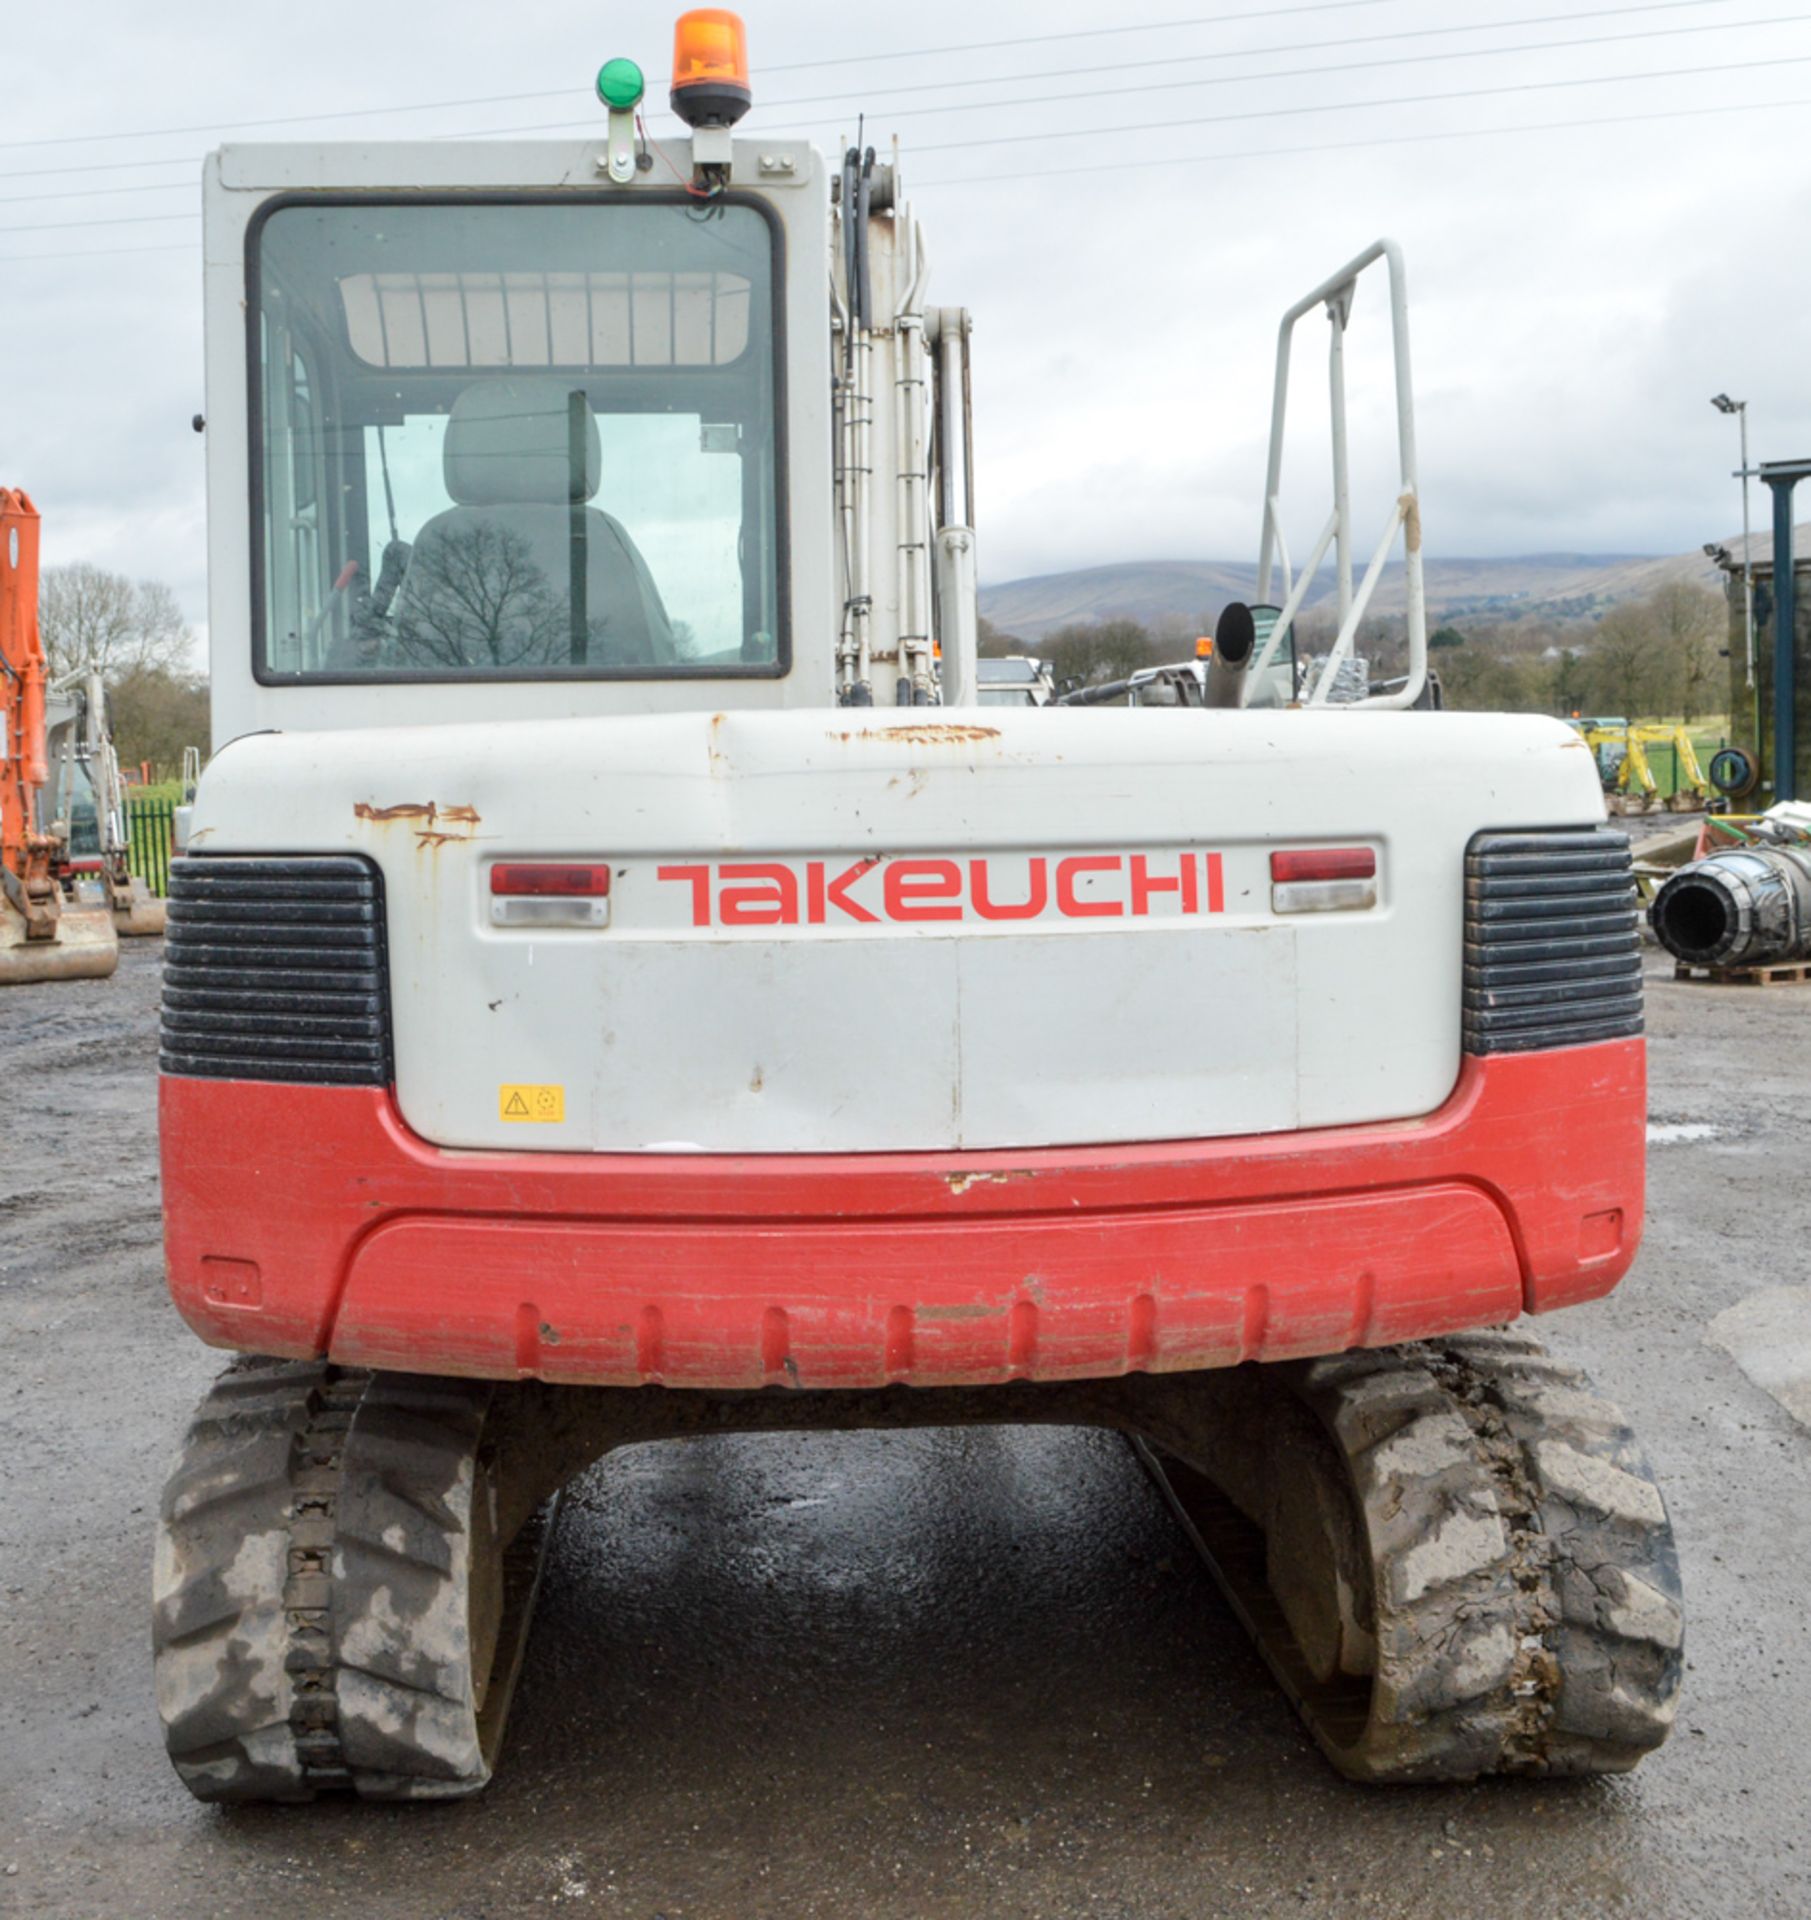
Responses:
[515,440]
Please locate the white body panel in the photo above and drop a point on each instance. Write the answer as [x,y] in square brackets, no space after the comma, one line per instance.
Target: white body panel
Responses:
[809,943]
[855,1035]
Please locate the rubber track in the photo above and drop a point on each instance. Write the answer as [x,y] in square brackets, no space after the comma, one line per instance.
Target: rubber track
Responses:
[312,1577]
[1525,1588]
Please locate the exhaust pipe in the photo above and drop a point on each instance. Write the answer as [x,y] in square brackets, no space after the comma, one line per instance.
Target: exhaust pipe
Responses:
[1235,642]
[1746,907]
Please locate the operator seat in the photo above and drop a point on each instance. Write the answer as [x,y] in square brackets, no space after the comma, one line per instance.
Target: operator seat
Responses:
[489,584]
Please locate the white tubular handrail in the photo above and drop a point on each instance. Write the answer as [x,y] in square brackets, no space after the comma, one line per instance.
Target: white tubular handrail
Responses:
[1335,295]
[1276,525]
[1293,597]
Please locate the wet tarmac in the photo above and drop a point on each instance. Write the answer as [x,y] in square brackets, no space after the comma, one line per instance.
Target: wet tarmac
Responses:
[925,1675]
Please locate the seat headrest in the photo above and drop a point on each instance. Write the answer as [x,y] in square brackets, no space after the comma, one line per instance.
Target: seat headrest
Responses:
[508,442]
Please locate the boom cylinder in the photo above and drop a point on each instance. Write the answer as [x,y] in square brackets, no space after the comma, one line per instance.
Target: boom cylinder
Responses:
[1745,907]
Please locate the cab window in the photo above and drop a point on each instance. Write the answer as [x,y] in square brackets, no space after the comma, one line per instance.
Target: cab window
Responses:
[516,440]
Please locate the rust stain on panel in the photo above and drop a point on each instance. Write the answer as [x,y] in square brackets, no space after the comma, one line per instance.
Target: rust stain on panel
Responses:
[434,824]
[429,811]
[405,810]
[924,733]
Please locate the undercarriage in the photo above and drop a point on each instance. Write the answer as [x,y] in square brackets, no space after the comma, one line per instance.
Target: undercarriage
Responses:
[1450,1553]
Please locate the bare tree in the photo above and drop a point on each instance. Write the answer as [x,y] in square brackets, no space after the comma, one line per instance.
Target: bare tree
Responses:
[994,644]
[1097,651]
[1689,621]
[1569,681]
[155,713]
[476,598]
[1487,679]
[1621,669]
[91,618]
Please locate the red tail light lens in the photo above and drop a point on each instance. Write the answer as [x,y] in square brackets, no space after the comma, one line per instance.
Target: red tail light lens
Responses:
[1323,863]
[544,879]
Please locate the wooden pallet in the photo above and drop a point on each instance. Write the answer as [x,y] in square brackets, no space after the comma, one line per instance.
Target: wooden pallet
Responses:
[1788,974]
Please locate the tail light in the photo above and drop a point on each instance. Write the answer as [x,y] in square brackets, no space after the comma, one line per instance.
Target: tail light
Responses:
[549,893]
[1323,880]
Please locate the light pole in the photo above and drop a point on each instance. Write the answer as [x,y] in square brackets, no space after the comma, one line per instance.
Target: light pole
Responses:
[1739,408]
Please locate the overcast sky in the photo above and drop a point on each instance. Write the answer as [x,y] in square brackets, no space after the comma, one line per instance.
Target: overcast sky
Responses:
[1599,237]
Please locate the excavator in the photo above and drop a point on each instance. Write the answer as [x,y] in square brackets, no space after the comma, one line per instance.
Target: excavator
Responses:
[66,892]
[1624,751]
[623,983]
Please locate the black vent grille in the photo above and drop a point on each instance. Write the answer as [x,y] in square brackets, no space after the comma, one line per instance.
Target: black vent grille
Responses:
[275,970]
[1552,944]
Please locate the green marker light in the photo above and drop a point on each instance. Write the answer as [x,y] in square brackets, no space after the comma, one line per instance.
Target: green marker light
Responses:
[620,85]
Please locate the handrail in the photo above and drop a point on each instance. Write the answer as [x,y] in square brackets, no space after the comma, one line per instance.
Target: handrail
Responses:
[1335,294]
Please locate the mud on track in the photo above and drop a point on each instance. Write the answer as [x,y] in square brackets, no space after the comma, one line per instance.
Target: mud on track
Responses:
[924,1675]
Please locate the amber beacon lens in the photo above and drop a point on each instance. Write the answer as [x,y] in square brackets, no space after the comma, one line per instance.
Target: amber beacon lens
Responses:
[710,68]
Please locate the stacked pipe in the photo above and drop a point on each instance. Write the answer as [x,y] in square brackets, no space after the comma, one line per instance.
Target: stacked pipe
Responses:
[1745,907]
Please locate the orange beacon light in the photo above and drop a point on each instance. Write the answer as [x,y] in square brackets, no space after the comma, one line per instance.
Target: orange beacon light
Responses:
[710,68]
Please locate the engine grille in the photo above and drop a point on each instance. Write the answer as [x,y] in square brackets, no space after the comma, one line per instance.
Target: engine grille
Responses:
[274,969]
[1552,942]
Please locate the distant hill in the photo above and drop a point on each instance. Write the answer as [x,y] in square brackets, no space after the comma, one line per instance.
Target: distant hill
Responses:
[1153,592]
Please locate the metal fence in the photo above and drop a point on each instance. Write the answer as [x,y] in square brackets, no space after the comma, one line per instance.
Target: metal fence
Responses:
[148,825]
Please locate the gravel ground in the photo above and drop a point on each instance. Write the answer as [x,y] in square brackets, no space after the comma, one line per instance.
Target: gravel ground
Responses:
[918,1675]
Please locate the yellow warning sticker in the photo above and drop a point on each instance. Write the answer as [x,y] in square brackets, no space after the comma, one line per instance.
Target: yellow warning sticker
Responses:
[531,1103]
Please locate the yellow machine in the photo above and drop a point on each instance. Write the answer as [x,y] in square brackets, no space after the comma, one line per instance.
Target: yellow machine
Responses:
[1622,750]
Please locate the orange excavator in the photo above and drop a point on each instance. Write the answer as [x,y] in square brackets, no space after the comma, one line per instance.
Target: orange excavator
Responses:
[60,917]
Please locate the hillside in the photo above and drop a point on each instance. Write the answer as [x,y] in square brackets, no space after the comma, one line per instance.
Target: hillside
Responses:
[1157,592]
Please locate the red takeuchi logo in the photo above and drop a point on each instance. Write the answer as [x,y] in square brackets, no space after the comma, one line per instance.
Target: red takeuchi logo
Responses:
[879,890]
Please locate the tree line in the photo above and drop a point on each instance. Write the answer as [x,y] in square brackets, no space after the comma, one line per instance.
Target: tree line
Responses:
[133,634]
[1665,654]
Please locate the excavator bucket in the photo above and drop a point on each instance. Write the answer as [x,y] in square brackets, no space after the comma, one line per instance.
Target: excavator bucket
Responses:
[85,948]
[141,914]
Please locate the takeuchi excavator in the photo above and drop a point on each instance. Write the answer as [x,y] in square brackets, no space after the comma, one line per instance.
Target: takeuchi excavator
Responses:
[624,984]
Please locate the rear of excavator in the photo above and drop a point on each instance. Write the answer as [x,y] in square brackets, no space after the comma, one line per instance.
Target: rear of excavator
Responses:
[1177,1146]
[621,986]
